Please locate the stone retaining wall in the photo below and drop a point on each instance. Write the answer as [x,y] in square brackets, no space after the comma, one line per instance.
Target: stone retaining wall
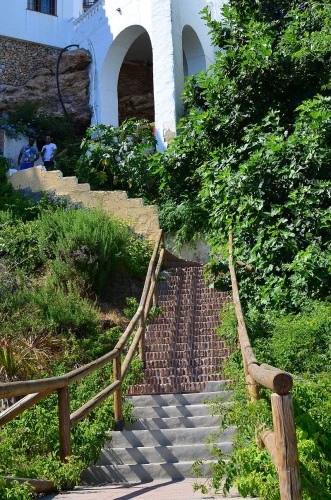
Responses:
[20,59]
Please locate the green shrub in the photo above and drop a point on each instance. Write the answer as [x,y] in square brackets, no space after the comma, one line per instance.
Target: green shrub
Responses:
[62,307]
[116,158]
[15,491]
[302,343]
[93,243]
[52,262]
[298,343]
[80,242]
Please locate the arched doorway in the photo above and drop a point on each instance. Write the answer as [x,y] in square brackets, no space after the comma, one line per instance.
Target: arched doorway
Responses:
[135,82]
[127,78]
[194,59]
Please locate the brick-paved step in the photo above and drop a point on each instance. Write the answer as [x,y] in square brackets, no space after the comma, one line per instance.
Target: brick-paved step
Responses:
[183,335]
[172,370]
[182,379]
[184,349]
[169,388]
[170,354]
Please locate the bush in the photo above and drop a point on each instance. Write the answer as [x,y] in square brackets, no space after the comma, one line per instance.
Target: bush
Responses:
[116,158]
[299,344]
[302,343]
[54,260]
[86,243]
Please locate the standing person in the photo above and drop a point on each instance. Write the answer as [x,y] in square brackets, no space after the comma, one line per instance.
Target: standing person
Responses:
[29,154]
[48,153]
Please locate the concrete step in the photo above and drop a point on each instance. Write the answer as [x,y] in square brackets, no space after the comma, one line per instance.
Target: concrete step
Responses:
[178,399]
[171,411]
[167,388]
[166,437]
[151,454]
[141,472]
[173,423]
[216,385]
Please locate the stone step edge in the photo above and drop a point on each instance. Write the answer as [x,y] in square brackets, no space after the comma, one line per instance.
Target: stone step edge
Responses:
[206,396]
[167,447]
[150,465]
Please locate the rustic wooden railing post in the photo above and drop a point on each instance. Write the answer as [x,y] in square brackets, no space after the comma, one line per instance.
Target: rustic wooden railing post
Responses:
[154,282]
[64,422]
[252,387]
[118,408]
[286,447]
[142,342]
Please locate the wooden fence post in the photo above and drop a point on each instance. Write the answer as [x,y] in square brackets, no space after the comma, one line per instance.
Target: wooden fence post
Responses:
[64,422]
[252,387]
[286,447]
[142,325]
[118,408]
[155,289]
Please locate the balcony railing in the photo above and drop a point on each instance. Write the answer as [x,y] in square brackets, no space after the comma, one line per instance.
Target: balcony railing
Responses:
[88,3]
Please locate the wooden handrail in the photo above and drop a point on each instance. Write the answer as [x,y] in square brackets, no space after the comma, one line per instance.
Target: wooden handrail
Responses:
[82,412]
[37,390]
[280,443]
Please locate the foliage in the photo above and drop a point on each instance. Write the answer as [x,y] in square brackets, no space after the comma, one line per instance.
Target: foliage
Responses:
[253,150]
[35,118]
[116,158]
[35,435]
[51,323]
[185,219]
[132,306]
[259,128]
[89,243]
[14,490]
[23,357]
[278,204]
[298,343]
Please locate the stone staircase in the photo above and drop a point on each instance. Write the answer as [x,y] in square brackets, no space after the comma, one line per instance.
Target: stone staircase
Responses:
[167,437]
[183,360]
[183,356]
[183,351]
[143,219]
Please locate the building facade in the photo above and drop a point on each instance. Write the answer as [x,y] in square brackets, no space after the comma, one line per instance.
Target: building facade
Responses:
[141,51]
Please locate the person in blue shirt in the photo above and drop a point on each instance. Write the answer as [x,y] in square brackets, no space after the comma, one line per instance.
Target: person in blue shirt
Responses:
[29,154]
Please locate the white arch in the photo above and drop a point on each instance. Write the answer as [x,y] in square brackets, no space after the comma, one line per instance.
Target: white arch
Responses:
[193,54]
[110,72]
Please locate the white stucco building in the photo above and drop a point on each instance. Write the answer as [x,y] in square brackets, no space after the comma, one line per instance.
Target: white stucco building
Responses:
[167,37]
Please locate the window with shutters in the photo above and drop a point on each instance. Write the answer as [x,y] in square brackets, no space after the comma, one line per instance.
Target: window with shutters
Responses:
[43,6]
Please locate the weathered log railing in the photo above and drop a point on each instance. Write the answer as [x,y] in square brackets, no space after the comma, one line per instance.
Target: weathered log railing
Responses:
[281,442]
[36,390]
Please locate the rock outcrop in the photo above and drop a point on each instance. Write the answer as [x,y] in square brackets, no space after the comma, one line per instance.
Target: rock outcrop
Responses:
[28,73]
[135,91]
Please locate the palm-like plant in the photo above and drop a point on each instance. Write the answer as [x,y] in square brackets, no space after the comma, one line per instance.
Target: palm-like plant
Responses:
[23,358]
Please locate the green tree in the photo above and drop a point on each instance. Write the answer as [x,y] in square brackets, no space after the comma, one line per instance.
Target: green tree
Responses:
[254,148]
